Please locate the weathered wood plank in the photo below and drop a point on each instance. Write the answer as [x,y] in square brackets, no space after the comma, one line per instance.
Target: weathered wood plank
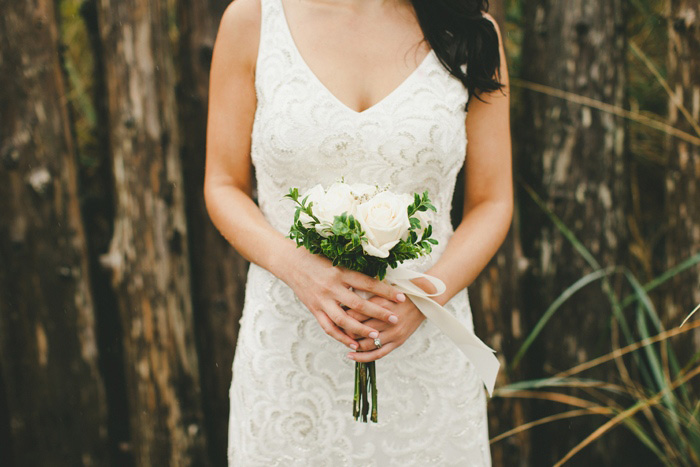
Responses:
[149,252]
[683,174]
[573,157]
[55,396]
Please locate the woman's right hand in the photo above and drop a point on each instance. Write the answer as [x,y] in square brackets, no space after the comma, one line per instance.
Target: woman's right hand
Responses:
[324,288]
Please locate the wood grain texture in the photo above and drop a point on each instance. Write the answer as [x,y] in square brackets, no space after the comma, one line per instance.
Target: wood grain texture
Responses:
[54,395]
[683,174]
[149,252]
[573,157]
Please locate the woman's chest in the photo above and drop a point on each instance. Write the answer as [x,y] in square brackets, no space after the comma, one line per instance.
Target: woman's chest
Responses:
[301,130]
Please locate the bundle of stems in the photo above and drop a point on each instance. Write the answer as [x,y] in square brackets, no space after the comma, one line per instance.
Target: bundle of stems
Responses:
[365,383]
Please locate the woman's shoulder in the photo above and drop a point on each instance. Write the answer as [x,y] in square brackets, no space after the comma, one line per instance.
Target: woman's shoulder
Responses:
[490,18]
[495,24]
[242,15]
[239,29]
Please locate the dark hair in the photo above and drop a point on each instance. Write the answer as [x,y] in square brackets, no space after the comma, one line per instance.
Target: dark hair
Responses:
[459,33]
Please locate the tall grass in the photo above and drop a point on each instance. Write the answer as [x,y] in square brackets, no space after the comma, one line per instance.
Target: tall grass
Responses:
[657,405]
[653,395]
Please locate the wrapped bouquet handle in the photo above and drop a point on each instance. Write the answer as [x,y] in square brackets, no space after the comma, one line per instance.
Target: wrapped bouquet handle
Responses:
[478,353]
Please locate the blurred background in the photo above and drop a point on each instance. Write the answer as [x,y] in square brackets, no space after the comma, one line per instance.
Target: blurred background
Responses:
[119,300]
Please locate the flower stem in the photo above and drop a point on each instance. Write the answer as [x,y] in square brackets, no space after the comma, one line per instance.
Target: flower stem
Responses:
[373,387]
[356,397]
[363,393]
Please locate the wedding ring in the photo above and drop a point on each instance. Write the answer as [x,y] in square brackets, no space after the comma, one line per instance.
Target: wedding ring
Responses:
[377,342]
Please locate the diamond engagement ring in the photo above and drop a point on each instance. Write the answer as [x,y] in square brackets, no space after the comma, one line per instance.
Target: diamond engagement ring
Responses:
[377,342]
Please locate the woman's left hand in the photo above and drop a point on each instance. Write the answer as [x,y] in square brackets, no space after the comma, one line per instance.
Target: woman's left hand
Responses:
[391,336]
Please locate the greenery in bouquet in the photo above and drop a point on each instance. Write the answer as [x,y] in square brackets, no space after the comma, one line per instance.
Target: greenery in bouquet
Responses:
[343,238]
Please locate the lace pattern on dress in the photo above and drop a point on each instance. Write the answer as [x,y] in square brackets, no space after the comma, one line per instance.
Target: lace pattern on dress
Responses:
[292,385]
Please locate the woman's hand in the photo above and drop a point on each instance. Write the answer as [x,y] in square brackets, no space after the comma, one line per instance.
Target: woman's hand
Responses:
[323,288]
[391,336]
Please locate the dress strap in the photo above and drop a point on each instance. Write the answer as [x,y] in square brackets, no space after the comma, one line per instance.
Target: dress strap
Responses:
[268,11]
[271,11]
[270,28]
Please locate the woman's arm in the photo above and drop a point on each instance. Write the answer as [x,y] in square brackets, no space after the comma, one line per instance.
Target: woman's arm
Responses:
[488,195]
[488,212]
[227,188]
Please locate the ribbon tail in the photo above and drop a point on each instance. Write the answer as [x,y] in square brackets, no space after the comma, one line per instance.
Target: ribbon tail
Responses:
[478,353]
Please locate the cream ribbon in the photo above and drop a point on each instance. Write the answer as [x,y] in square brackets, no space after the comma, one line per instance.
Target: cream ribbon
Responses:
[478,353]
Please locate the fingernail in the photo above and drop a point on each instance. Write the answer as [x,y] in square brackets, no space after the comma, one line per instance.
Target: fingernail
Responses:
[393,319]
[401,297]
[350,357]
[374,334]
[353,346]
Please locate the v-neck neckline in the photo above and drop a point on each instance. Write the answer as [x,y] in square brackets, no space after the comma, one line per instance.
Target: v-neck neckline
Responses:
[305,65]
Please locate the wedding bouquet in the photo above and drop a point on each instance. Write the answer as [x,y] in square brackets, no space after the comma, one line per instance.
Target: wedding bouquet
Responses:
[364,228]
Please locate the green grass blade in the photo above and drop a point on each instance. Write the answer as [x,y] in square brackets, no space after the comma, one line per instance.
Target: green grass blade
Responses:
[548,382]
[648,306]
[669,274]
[555,305]
[582,250]
[587,256]
[652,362]
[690,315]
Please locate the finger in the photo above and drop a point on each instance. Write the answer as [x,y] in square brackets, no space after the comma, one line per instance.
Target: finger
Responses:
[363,282]
[364,319]
[367,344]
[380,326]
[348,324]
[381,301]
[365,307]
[357,337]
[334,331]
[358,316]
[376,354]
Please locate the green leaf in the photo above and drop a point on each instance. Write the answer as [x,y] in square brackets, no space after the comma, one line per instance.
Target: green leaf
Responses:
[555,305]
[293,194]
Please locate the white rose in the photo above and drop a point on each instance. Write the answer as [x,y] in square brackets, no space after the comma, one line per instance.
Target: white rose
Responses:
[385,221]
[339,199]
[335,201]
[315,195]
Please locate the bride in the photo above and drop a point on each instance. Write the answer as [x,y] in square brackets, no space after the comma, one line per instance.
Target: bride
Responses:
[386,92]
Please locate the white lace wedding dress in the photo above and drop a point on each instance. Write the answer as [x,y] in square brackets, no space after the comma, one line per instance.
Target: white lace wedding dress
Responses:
[292,386]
